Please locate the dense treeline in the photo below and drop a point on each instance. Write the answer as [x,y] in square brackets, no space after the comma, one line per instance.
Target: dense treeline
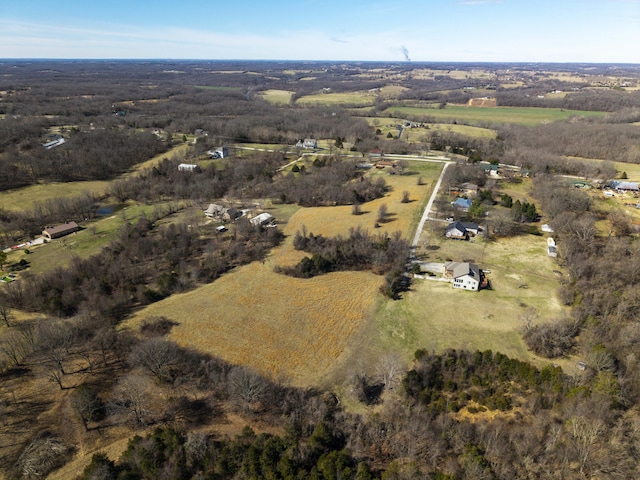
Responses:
[603,101]
[586,139]
[602,289]
[90,155]
[436,427]
[329,181]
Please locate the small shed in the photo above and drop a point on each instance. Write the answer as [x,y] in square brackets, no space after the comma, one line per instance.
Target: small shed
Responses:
[262,219]
[188,167]
[60,230]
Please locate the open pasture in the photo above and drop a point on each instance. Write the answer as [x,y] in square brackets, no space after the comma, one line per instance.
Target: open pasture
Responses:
[22,199]
[344,98]
[277,97]
[480,115]
[289,328]
[435,316]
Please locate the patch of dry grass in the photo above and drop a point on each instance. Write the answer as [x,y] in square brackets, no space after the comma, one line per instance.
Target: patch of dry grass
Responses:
[289,328]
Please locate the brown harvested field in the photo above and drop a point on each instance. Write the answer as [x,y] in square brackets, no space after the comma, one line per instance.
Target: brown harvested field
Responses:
[286,328]
[297,330]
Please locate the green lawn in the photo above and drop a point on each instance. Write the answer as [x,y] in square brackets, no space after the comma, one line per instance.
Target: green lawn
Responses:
[484,115]
[277,97]
[87,242]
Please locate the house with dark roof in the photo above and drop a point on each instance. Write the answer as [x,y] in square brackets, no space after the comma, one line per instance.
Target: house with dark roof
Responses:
[490,169]
[462,230]
[60,230]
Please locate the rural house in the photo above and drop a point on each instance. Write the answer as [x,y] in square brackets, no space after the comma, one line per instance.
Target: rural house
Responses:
[309,143]
[470,189]
[465,275]
[462,203]
[214,210]
[262,219]
[60,230]
[462,230]
[490,169]
[222,152]
[380,164]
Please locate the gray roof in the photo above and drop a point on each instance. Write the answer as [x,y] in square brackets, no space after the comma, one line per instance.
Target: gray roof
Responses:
[465,268]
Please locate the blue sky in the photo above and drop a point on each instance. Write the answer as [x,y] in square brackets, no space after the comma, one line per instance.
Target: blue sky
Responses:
[426,30]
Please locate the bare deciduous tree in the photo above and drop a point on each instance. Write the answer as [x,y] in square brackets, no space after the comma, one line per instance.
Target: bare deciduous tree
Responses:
[5,313]
[249,388]
[158,356]
[132,397]
[390,369]
[13,346]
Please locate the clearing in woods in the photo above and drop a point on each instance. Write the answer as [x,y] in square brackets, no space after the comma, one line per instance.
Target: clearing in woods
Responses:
[23,199]
[296,330]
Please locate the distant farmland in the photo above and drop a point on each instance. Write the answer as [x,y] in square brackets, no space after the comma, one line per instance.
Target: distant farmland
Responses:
[482,115]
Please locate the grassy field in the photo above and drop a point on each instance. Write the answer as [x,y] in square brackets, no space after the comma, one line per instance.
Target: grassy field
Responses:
[248,315]
[84,243]
[434,316]
[346,98]
[480,115]
[278,97]
[25,198]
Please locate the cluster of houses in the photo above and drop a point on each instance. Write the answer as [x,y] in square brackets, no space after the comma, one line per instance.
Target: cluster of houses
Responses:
[230,214]
[465,191]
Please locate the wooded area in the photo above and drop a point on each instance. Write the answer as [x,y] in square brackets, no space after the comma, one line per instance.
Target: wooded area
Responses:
[75,380]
